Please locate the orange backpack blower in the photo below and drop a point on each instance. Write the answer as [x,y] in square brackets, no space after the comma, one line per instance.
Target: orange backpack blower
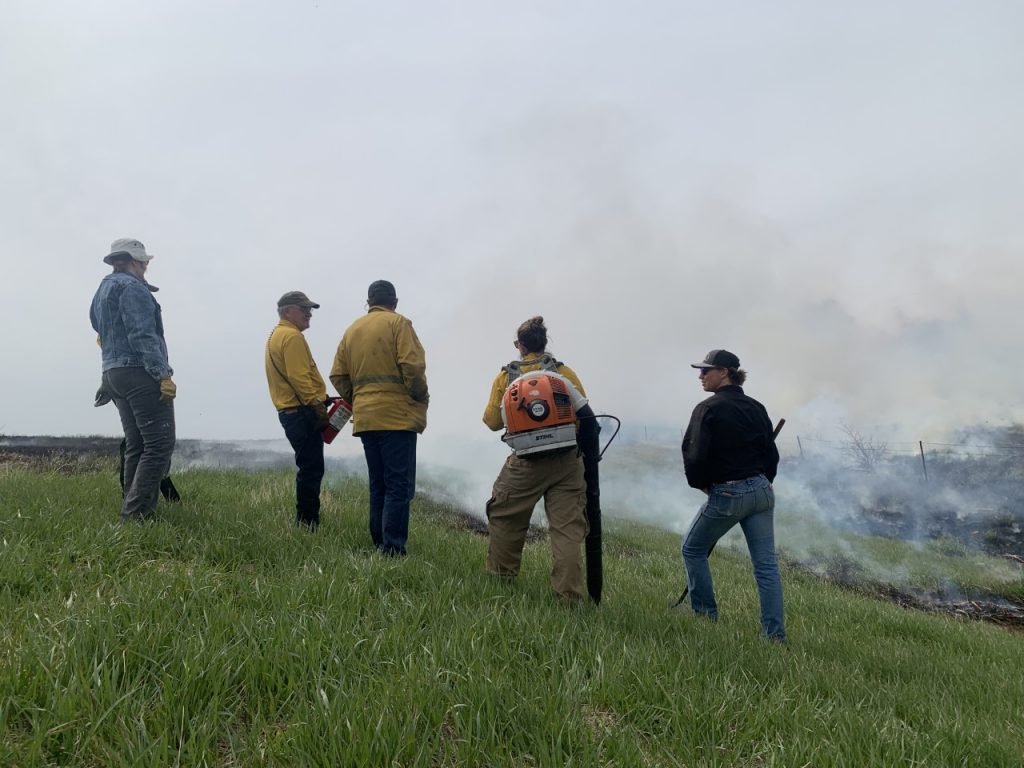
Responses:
[538,412]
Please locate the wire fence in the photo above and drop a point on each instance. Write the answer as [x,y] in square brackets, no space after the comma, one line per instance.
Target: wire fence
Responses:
[802,446]
[860,452]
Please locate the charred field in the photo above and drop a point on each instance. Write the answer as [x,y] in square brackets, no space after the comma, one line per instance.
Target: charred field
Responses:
[944,537]
[958,503]
[66,453]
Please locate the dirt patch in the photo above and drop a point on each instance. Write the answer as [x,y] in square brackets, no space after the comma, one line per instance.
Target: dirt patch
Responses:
[600,721]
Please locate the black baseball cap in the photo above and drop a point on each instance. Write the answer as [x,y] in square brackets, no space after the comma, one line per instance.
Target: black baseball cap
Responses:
[718,358]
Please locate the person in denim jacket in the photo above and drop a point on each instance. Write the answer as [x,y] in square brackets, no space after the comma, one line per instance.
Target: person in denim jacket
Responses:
[729,453]
[136,373]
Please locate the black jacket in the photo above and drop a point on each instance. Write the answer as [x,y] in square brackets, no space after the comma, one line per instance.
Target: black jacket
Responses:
[729,438]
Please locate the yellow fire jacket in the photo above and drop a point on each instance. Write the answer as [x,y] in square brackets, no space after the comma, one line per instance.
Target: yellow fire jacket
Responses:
[380,368]
[292,374]
[492,413]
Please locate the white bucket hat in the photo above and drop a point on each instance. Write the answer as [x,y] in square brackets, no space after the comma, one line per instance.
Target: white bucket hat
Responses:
[129,246]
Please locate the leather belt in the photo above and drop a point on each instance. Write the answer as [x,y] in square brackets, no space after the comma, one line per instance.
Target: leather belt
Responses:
[734,482]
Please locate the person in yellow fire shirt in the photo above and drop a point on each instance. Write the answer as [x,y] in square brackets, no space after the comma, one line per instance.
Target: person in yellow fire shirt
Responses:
[300,396]
[381,368]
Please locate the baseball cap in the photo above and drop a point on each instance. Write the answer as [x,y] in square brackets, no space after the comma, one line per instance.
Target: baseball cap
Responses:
[718,358]
[298,299]
[127,246]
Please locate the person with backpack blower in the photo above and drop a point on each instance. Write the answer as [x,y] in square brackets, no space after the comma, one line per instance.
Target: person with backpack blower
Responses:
[538,401]
[729,453]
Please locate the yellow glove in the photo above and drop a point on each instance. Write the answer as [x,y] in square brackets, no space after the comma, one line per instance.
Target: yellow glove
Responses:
[167,390]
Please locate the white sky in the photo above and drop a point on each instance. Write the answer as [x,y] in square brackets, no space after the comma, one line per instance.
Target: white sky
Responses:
[831,190]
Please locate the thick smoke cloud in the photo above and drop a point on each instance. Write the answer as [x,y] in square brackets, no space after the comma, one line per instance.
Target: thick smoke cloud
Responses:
[834,198]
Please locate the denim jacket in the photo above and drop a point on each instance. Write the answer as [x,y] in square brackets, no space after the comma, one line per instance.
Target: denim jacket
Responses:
[127,317]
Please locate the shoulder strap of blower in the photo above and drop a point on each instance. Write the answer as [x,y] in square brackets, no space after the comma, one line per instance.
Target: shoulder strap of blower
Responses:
[515,368]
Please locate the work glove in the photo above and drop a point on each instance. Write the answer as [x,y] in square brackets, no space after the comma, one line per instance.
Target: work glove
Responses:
[321,415]
[167,390]
[102,397]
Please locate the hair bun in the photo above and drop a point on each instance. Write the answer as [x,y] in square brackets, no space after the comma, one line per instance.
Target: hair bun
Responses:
[532,334]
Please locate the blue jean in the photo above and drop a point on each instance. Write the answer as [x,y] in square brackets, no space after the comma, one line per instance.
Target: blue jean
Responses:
[308,443]
[751,503]
[149,437]
[391,467]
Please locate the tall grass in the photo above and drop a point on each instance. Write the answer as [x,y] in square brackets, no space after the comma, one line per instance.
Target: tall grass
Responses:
[221,635]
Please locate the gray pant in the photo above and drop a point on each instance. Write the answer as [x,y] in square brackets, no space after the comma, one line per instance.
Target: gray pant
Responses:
[149,435]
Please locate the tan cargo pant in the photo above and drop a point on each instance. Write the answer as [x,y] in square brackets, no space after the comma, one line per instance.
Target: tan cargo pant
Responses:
[520,485]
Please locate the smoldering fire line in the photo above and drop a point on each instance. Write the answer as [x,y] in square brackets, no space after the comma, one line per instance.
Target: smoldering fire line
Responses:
[830,513]
[975,500]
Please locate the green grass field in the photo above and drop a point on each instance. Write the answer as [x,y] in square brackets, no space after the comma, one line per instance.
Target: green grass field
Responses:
[221,635]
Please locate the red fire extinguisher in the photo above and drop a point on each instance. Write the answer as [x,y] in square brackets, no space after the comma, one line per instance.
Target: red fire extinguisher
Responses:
[337,417]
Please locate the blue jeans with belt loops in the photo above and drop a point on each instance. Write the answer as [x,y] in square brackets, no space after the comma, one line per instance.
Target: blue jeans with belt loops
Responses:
[391,470]
[751,503]
[300,427]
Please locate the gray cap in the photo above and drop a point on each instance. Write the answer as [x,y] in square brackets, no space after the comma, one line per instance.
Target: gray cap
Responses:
[127,246]
[297,299]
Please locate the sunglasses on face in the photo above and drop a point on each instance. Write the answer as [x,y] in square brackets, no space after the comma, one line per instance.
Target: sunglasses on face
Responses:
[701,372]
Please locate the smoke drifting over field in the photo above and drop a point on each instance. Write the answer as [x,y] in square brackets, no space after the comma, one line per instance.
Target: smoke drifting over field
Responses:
[974,500]
[977,500]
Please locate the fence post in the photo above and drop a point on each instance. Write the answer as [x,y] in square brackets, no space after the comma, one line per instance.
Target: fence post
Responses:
[924,466]
[800,446]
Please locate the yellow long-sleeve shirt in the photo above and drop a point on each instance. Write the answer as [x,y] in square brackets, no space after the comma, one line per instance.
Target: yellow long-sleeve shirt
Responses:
[380,367]
[292,374]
